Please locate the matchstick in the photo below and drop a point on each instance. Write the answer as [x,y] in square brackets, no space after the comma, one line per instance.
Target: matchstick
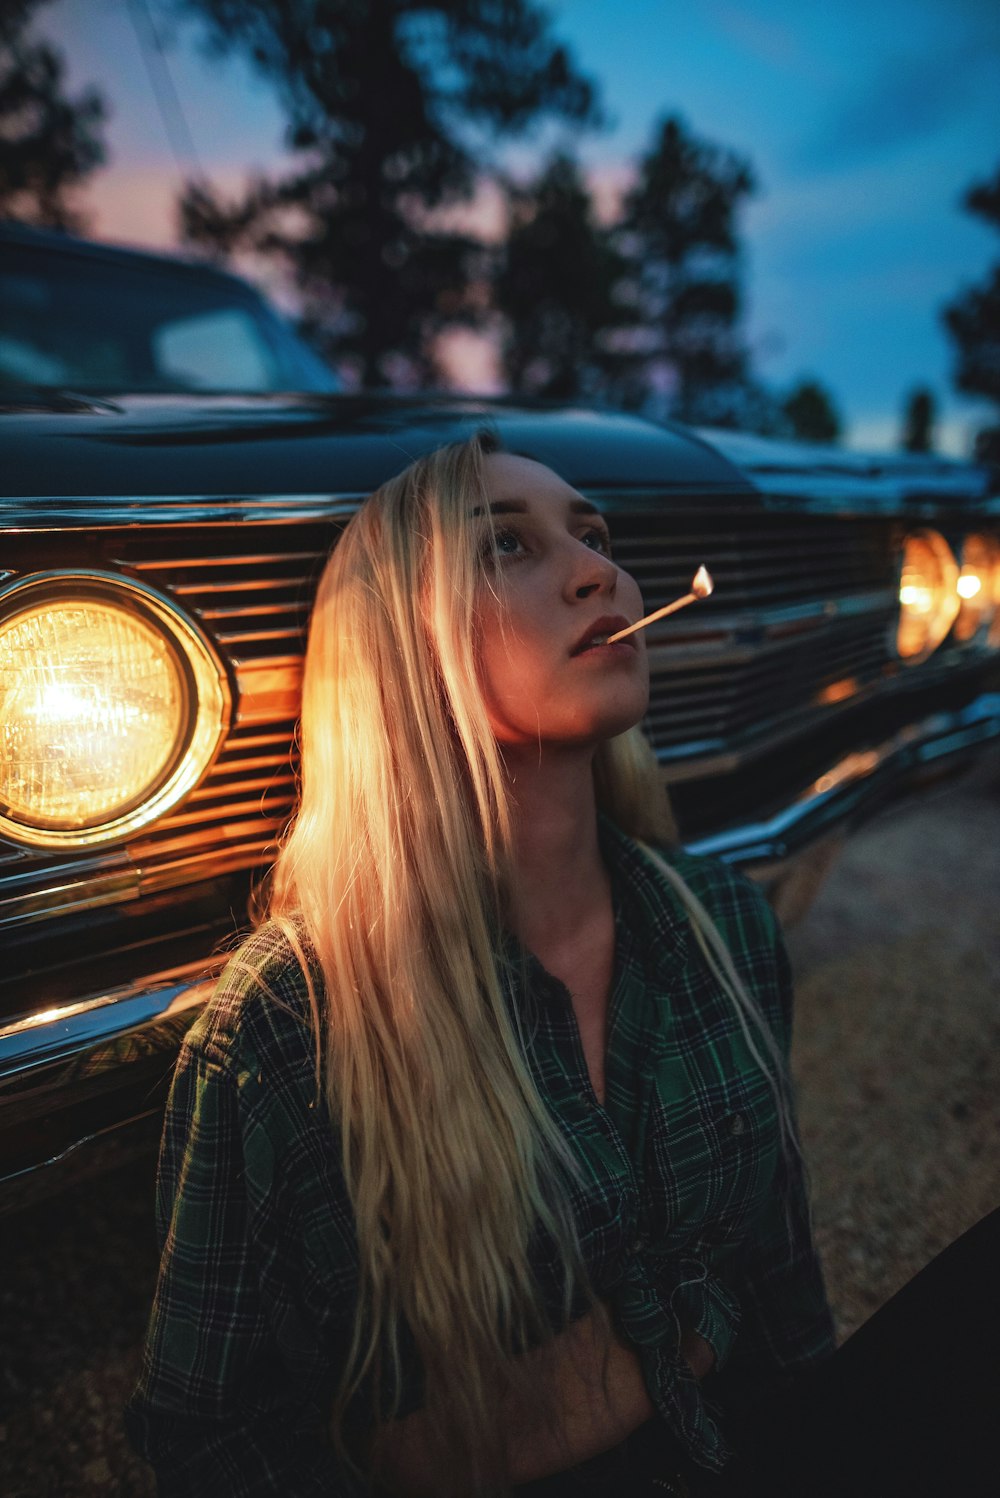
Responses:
[701,586]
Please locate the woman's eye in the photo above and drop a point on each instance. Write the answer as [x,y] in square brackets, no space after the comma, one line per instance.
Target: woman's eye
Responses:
[597,539]
[507,543]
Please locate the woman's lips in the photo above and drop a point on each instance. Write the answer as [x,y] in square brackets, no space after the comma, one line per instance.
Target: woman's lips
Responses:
[620,647]
[598,631]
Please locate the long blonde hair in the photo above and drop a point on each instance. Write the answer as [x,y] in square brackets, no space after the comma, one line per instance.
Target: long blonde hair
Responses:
[394,881]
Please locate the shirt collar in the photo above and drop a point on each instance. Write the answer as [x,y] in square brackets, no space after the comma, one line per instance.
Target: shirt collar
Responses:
[644,898]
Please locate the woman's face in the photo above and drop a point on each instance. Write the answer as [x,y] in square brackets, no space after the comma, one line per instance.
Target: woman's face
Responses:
[543,682]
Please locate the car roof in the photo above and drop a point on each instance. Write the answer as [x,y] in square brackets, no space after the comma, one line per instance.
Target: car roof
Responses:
[97,251]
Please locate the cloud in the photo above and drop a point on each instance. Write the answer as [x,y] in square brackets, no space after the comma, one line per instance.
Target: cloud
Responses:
[769,40]
[907,97]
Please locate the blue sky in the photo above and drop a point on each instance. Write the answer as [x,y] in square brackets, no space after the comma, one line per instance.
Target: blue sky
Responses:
[864,124]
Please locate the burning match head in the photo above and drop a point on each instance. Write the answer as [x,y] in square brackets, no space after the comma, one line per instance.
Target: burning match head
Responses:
[703,584]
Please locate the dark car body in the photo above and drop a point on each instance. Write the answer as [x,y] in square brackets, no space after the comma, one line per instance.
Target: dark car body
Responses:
[781,712]
[96,319]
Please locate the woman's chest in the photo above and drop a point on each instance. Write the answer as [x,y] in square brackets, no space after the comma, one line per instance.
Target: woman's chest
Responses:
[682,1146]
[585,970]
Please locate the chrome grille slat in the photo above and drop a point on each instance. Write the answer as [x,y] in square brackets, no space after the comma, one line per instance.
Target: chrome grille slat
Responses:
[226,791]
[172,566]
[235,766]
[258,610]
[245,585]
[251,636]
[268,805]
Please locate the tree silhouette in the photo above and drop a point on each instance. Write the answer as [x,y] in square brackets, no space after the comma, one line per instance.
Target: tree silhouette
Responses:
[679,237]
[556,287]
[918,422]
[973,319]
[383,101]
[48,142]
[811,412]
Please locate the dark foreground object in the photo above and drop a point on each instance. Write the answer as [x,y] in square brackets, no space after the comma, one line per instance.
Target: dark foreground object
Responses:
[906,1408]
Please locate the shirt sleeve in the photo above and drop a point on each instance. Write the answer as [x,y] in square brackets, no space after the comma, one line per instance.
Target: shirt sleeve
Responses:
[235,1387]
[786,1326]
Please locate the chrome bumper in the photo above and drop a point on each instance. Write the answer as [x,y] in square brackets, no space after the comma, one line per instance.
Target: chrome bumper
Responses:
[858,783]
[86,1082]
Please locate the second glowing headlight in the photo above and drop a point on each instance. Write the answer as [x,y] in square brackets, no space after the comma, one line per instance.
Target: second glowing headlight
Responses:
[937,595]
[978,588]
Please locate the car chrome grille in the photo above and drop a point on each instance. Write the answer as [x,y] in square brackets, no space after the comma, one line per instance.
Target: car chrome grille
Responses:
[719,682]
[756,561]
[254,604]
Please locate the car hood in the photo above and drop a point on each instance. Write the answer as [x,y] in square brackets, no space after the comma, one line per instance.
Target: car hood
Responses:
[214,444]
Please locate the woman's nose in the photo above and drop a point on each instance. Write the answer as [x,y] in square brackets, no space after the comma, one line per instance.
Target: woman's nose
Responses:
[593,574]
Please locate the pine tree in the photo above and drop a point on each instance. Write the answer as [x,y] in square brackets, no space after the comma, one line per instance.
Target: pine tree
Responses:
[679,236]
[811,412]
[49,142]
[973,319]
[918,422]
[556,287]
[382,99]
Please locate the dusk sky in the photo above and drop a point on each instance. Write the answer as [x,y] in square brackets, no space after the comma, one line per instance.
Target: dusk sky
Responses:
[864,125]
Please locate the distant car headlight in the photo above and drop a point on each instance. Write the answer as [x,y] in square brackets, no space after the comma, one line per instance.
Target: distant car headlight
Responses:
[928,598]
[978,586]
[112,706]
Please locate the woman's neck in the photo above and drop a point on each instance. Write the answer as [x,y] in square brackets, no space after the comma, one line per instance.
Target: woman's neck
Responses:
[560,878]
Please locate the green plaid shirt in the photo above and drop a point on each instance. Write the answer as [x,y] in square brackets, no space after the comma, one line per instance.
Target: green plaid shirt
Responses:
[687,1213]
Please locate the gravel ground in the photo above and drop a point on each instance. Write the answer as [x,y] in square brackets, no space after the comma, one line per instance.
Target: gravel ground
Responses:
[897,1055]
[897,1046]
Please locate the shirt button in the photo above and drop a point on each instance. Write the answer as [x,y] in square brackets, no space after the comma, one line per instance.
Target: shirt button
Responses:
[737,1124]
[586,1099]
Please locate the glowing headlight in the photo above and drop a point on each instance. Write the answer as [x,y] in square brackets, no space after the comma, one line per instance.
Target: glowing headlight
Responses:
[111,708]
[928,597]
[977,585]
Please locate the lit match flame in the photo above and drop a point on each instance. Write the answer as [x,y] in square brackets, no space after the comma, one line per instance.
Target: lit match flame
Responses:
[701,586]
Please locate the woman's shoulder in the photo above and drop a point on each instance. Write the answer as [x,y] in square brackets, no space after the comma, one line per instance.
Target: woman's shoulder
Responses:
[728,894]
[260,1004]
[741,914]
[735,903]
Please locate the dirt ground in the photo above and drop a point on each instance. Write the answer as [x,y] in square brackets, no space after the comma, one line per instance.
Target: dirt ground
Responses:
[897,1056]
[897,1045]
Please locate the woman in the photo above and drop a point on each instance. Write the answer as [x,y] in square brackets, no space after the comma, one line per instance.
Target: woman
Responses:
[479,1168]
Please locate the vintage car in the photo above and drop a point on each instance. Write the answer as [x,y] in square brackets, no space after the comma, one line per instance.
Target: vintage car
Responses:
[159,555]
[85,317]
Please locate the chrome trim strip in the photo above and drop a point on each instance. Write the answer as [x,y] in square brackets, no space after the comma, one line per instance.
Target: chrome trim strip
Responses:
[55,1035]
[86,512]
[842,790]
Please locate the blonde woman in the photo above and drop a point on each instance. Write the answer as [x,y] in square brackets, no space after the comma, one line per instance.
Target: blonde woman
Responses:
[479,1169]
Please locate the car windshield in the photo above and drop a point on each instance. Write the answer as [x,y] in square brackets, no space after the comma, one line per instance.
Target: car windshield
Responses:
[69,321]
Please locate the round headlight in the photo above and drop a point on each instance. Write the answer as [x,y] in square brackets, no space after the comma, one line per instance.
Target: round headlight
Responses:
[112,706]
[977,586]
[928,597]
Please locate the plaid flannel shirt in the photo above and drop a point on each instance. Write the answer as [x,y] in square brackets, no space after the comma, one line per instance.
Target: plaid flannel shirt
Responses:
[688,1211]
